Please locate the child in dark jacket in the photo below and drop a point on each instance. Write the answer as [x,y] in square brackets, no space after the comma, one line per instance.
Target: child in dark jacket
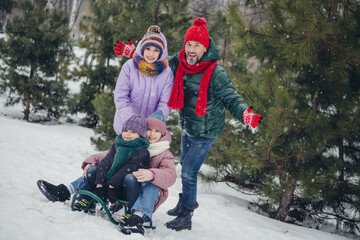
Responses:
[127,154]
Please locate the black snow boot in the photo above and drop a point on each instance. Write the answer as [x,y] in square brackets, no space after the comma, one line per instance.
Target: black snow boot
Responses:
[54,193]
[182,221]
[85,205]
[176,210]
[132,224]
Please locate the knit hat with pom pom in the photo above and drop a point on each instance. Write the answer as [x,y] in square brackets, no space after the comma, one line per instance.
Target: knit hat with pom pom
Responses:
[153,38]
[198,33]
[157,121]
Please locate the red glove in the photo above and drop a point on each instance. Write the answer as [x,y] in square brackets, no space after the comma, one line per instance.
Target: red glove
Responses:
[250,118]
[122,49]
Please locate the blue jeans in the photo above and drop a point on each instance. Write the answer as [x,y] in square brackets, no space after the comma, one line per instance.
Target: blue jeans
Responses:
[132,188]
[145,203]
[85,183]
[129,192]
[192,156]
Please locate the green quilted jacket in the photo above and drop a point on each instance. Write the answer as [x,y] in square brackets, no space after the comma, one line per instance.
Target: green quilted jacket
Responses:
[221,94]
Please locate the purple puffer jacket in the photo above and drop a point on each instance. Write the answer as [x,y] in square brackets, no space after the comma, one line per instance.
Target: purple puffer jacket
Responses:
[136,93]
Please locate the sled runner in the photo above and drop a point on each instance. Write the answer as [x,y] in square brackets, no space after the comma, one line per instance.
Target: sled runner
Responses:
[95,198]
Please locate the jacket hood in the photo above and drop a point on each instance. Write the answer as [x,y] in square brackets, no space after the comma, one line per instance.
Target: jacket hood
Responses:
[211,54]
[166,137]
[163,56]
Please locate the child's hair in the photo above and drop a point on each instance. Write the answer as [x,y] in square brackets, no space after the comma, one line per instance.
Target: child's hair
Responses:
[153,38]
[157,121]
[136,123]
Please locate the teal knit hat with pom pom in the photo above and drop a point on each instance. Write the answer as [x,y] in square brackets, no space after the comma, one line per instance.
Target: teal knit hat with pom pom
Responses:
[157,121]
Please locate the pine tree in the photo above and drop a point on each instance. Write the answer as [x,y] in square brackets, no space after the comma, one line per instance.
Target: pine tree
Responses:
[305,154]
[106,114]
[36,52]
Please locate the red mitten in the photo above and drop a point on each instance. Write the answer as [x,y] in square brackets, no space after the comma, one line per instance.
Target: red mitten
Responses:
[250,118]
[122,49]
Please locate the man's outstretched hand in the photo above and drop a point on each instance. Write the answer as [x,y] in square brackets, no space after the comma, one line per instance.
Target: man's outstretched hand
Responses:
[122,49]
[250,118]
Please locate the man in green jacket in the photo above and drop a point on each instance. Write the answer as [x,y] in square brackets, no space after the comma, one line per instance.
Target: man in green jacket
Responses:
[201,92]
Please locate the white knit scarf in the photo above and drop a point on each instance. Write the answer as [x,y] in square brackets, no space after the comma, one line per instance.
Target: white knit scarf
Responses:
[158,147]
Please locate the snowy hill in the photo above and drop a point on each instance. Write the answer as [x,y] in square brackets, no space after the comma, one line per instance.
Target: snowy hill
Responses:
[54,152]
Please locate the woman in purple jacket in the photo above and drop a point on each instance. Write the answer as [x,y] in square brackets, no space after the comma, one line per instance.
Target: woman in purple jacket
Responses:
[145,82]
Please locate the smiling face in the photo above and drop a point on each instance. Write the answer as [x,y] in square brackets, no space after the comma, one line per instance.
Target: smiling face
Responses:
[153,135]
[151,54]
[129,135]
[194,51]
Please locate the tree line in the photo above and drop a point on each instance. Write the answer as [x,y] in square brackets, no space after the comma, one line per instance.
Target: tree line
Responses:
[296,62]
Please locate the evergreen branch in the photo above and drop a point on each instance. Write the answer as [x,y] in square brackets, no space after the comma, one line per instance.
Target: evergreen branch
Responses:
[337,216]
[295,13]
[104,21]
[233,12]
[247,29]
[209,178]
[312,30]
[284,27]
[347,58]
[270,88]
[239,190]
[275,131]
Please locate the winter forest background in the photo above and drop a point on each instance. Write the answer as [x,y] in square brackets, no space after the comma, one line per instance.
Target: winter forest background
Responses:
[297,62]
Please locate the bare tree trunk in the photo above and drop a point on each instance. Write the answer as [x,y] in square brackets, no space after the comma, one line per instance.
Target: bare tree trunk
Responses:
[92,53]
[285,202]
[50,4]
[27,97]
[341,157]
[225,46]
[27,110]
[74,13]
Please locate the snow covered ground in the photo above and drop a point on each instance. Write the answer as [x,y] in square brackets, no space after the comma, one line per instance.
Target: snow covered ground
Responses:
[29,152]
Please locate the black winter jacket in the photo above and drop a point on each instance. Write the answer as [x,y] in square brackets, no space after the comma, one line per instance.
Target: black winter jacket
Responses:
[139,159]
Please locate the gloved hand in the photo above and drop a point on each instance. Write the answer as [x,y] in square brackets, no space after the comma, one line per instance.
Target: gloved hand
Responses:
[122,49]
[101,192]
[250,118]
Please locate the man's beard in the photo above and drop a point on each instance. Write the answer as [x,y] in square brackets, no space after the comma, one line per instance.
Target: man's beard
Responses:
[191,61]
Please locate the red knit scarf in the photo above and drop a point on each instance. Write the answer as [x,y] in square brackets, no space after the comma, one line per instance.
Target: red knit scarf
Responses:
[176,100]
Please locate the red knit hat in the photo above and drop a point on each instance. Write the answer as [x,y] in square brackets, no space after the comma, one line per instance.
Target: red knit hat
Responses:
[198,33]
